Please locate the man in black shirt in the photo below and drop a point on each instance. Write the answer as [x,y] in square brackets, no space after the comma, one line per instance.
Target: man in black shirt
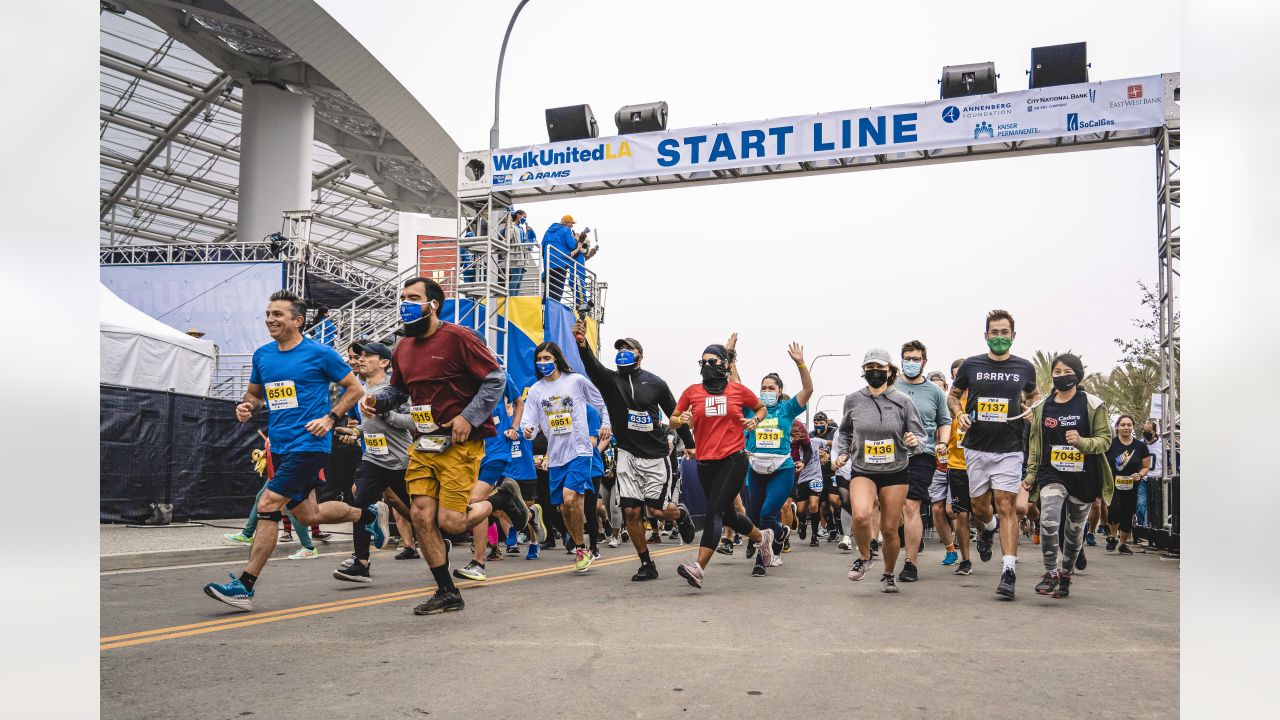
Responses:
[634,398]
[999,386]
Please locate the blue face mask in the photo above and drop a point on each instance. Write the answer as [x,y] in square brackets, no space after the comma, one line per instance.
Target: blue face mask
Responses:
[769,398]
[912,368]
[625,357]
[410,311]
[545,368]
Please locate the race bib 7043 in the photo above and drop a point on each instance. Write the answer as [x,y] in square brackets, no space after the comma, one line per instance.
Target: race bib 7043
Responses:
[1066,458]
[281,395]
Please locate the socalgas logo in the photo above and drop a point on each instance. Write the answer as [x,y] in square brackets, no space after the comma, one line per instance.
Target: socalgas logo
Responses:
[951,113]
[550,157]
[1074,124]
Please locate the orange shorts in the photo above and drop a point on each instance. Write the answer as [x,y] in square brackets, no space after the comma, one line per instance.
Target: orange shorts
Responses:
[447,476]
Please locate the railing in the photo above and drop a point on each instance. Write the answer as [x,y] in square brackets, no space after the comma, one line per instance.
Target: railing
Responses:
[572,285]
[373,315]
[231,375]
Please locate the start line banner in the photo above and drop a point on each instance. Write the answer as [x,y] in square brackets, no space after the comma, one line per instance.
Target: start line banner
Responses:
[1064,110]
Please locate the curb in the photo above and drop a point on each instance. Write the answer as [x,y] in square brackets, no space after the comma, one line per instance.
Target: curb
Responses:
[191,556]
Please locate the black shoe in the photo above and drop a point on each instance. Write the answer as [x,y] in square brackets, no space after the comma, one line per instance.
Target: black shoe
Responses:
[804,528]
[875,547]
[758,569]
[407,554]
[1124,549]
[1111,544]
[1005,588]
[964,568]
[751,549]
[1063,588]
[550,544]
[624,536]
[685,525]
[494,553]
[1081,562]
[833,536]
[1047,585]
[921,548]
[813,542]
[442,601]
[725,547]
[322,536]
[647,571]
[356,572]
[984,544]
[909,573]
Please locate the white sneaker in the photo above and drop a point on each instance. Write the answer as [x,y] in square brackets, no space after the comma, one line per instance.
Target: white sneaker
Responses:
[613,542]
[846,543]
[305,554]
[777,561]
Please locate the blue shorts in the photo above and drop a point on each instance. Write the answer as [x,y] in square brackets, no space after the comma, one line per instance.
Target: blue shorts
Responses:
[492,471]
[297,474]
[576,476]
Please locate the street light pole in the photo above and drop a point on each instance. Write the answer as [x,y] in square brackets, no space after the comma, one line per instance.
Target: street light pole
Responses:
[497,83]
[812,365]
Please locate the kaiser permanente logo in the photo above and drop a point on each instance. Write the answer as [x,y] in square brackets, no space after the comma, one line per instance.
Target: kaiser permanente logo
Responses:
[530,159]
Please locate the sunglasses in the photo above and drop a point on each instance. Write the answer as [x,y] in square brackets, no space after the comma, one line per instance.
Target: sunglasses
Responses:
[711,363]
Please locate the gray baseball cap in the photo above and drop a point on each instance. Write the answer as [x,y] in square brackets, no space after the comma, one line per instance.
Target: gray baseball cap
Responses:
[877,355]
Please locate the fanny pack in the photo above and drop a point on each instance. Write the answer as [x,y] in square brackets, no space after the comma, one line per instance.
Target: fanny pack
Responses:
[433,443]
[766,464]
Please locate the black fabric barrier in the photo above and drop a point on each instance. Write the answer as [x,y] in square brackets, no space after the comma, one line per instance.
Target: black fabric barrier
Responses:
[163,447]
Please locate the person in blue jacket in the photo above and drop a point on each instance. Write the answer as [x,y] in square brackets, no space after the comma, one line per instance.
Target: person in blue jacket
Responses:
[560,248]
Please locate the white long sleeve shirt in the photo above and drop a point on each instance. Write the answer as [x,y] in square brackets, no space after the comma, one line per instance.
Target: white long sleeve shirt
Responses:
[559,409]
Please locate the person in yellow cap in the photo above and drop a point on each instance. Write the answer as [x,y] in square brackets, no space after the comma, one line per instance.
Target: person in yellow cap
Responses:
[559,248]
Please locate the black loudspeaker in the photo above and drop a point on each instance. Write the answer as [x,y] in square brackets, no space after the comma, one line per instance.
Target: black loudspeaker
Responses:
[1059,65]
[641,118]
[575,122]
[972,79]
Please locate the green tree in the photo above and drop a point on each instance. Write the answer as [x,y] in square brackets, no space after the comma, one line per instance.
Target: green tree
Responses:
[1127,389]
[1043,363]
[1147,345]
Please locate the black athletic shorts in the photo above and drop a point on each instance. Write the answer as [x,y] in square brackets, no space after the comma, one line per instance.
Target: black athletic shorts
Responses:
[842,482]
[920,475]
[802,493]
[884,480]
[958,480]
[529,489]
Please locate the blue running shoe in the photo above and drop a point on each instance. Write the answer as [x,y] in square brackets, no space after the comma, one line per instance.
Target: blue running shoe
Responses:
[511,536]
[1089,540]
[378,526]
[951,558]
[533,552]
[233,593]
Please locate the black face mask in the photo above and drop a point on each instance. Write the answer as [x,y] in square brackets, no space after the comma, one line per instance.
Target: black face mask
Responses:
[1063,383]
[876,378]
[1148,436]
[715,377]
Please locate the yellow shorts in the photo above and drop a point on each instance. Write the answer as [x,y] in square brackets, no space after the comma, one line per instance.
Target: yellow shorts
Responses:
[448,476]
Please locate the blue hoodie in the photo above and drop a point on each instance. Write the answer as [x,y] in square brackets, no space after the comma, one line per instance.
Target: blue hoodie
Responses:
[561,238]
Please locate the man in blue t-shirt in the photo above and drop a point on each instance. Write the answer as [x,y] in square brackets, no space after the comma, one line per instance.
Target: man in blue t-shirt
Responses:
[290,377]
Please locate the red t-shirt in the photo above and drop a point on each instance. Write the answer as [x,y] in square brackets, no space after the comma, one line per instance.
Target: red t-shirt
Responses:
[717,419]
[444,370]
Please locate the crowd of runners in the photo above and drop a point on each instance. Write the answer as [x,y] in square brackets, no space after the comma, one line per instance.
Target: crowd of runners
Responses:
[449,448]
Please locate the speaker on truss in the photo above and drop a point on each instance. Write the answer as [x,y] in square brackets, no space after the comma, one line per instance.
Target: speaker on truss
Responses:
[641,118]
[1059,65]
[972,79]
[574,122]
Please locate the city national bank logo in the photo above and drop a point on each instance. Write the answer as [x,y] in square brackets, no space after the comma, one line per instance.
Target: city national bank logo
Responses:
[950,114]
[1057,101]
[550,157]
[1074,124]
[529,176]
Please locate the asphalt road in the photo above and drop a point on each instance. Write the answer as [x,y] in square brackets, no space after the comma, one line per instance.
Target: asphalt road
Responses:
[538,641]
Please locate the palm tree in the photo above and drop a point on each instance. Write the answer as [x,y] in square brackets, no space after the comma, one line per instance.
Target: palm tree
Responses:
[1127,389]
[1043,363]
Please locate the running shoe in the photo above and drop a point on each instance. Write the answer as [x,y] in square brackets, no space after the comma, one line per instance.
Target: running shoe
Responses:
[1047,584]
[1007,579]
[950,558]
[647,571]
[394,541]
[813,542]
[539,527]
[725,547]
[1089,539]
[233,593]
[764,551]
[909,572]
[305,554]
[522,538]
[782,541]
[595,553]
[833,537]
[322,536]
[613,542]
[685,525]
[984,544]
[442,601]
[512,536]
[804,528]
[751,549]
[691,572]
[356,572]
[1111,544]
[875,547]
[347,563]
[758,570]
[377,527]
[1081,562]
[846,543]
[964,568]
[626,536]
[1063,588]
[511,502]
[859,569]
[737,539]
[582,561]
[777,561]
[513,549]
[921,548]
[786,546]
[472,571]
[822,532]
[887,585]
[549,544]
[1124,549]
[532,554]
[655,538]
[494,554]
[1035,537]
[409,553]
[239,537]
[286,537]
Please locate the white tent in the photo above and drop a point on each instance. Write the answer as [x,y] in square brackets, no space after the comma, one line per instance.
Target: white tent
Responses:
[139,351]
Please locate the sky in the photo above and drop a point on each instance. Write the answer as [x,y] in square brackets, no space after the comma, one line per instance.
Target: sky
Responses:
[840,263]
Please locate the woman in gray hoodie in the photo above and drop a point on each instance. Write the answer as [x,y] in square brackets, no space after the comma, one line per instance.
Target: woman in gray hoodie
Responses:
[879,425]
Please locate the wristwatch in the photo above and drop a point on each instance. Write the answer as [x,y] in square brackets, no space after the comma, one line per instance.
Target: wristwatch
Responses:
[335,417]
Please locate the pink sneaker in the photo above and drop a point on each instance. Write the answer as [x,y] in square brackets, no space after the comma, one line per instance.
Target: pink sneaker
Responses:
[860,568]
[765,548]
[692,572]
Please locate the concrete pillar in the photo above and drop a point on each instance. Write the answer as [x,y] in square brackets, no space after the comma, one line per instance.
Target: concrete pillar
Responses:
[275,158]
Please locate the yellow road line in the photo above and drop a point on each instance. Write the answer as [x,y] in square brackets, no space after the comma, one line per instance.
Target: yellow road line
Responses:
[239,621]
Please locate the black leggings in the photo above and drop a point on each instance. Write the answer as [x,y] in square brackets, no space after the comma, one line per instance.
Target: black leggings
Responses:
[550,511]
[721,481]
[371,480]
[1124,503]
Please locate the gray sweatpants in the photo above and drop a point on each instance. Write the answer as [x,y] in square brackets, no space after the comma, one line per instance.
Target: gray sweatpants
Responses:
[1058,509]
[611,502]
